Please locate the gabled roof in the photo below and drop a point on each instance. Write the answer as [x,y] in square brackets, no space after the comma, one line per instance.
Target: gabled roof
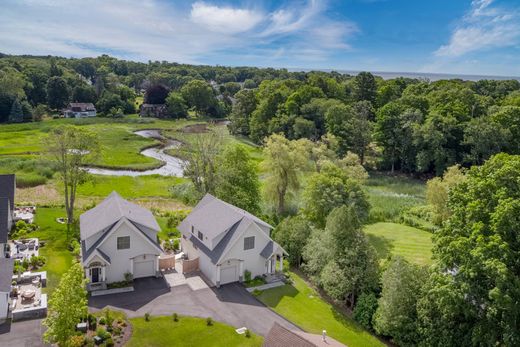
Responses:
[110,211]
[83,106]
[6,274]
[213,217]
[7,188]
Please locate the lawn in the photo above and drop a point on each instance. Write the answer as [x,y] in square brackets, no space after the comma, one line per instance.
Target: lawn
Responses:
[59,259]
[302,305]
[188,331]
[396,239]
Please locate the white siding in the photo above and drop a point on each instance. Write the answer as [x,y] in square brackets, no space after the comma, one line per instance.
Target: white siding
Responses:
[188,249]
[208,268]
[121,259]
[253,261]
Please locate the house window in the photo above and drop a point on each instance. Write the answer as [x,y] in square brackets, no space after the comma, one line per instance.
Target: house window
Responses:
[192,230]
[123,242]
[249,243]
[200,235]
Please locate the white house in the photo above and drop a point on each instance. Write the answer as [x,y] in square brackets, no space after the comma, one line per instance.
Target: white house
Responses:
[80,110]
[229,241]
[118,237]
[7,190]
[6,277]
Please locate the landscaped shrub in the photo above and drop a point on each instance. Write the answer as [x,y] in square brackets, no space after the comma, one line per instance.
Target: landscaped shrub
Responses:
[92,321]
[247,333]
[102,321]
[103,334]
[186,193]
[117,331]
[175,317]
[109,342]
[109,318]
[247,275]
[147,317]
[128,277]
[209,321]
[176,244]
[76,341]
[365,308]
[89,342]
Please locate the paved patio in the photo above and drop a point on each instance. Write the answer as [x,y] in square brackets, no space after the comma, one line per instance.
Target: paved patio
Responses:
[176,278]
[230,304]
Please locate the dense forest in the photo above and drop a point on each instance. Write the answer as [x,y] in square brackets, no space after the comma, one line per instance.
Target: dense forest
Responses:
[411,125]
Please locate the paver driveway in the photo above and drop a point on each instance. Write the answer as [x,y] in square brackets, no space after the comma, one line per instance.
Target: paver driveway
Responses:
[230,304]
[22,334]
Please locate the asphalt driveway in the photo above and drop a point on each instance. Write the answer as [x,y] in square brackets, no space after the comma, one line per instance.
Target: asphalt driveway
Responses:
[230,304]
[22,334]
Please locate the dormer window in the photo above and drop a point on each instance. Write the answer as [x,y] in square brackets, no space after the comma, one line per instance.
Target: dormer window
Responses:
[200,235]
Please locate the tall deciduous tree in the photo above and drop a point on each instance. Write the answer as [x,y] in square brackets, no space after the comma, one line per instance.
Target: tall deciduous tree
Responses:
[237,179]
[67,306]
[365,87]
[71,148]
[344,262]
[396,314]
[292,234]
[176,105]
[241,113]
[199,95]
[331,188]
[201,161]
[473,294]
[283,163]
[57,93]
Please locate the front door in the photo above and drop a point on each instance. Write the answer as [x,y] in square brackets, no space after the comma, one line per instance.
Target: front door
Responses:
[95,275]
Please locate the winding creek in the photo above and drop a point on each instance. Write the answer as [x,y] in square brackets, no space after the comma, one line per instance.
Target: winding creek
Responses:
[173,166]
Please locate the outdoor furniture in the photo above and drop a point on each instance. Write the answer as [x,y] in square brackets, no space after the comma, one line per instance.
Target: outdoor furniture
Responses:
[36,281]
[21,247]
[31,246]
[28,294]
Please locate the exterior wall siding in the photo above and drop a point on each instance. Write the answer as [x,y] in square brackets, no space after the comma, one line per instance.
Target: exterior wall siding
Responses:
[121,259]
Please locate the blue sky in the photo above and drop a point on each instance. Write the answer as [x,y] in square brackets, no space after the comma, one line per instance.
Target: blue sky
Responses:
[441,36]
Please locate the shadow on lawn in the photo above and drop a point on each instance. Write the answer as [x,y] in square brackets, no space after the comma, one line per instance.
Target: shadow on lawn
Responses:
[382,245]
[272,297]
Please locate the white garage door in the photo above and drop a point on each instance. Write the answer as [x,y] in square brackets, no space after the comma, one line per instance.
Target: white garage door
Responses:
[144,269]
[228,274]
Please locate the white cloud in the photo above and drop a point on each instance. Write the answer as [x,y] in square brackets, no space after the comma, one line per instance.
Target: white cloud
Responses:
[225,19]
[175,31]
[483,27]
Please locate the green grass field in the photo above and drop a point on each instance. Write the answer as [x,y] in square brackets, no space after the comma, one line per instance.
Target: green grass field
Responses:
[188,331]
[59,259]
[302,305]
[396,239]
[130,187]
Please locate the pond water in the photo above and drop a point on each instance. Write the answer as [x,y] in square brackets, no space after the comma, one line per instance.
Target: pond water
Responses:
[173,166]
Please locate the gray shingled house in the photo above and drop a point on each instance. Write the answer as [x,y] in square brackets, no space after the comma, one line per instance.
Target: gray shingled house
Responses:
[229,241]
[118,237]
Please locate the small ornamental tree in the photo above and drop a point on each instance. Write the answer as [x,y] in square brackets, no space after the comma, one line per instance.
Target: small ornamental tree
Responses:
[67,306]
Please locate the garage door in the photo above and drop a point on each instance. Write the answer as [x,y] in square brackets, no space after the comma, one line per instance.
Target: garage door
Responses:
[144,269]
[228,274]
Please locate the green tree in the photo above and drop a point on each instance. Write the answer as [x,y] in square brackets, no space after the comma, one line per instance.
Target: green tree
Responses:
[365,309]
[67,306]
[84,93]
[396,314]
[292,234]
[71,148]
[237,179]
[201,161]
[16,114]
[331,188]
[509,118]
[438,189]
[199,95]
[365,87]
[57,93]
[473,293]
[176,105]
[485,138]
[344,261]
[283,163]
[241,112]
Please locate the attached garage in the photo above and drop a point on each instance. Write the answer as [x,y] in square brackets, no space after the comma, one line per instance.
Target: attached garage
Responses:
[144,268]
[229,274]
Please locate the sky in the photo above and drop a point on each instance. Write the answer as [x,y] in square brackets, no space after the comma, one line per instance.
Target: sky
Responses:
[479,37]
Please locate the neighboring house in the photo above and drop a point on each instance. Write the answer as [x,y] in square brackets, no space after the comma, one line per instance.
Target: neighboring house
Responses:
[80,110]
[153,110]
[7,190]
[6,278]
[118,237]
[279,336]
[228,241]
